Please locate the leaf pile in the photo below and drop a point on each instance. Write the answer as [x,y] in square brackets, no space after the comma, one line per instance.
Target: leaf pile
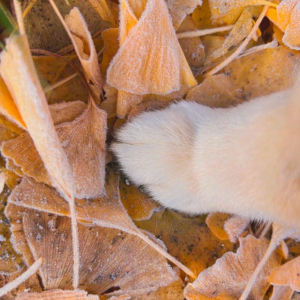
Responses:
[72,73]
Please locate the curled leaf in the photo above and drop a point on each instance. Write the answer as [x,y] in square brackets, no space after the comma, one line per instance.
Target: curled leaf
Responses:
[150,64]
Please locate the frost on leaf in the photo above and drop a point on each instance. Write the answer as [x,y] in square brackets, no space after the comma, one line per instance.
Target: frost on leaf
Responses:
[235,227]
[57,294]
[215,222]
[189,239]
[149,63]
[84,46]
[287,274]
[83,140]
[281,293]
[108,257]
[28,95]
[228,277]
[179,9]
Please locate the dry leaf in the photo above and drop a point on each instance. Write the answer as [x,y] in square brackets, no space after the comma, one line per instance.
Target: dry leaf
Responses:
[8,107]
[105,11]
[140,56]
[187,238]
[287,274]
[248,77]
[109,257]
[22,150]
[84,46]
[44,28]
[281,293]
[138,205]
[192,47]
[179,9]
[106,211]
[241,29]
[215,222]
[57,294]
[32,105]
[87,162]
[111,43]
[228,277]
[234,227]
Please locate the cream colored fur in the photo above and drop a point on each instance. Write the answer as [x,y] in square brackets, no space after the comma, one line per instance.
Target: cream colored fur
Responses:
[243,160]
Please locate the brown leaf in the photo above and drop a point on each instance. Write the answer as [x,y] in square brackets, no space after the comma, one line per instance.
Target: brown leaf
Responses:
[109,257]
[215,222]
[187,238]
[234,227]
[84,47]
[248,77]
[227,278]
[138,205]
[32,105]
[179,9]
[142,72]
[106,211]
[281,293]
[28,159]
[57,294]
[287,274]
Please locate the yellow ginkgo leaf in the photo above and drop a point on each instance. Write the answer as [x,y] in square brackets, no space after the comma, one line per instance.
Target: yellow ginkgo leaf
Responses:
[7,106]
[150,61]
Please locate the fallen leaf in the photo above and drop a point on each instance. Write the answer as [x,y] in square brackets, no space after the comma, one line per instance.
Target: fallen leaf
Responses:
[105,10]
[138,205]
[281,293]
[28,159]
[228,277]
[192,47]
[215,222]
[235,227]
[32,105]
[84,47]
[54,37]
[187,238]
[179,9]
[145,74]
[287,274]
[257,74]
[57,294]
[106,211]
[8,106]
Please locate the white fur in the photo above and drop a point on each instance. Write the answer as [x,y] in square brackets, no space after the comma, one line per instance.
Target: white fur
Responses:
[243,160]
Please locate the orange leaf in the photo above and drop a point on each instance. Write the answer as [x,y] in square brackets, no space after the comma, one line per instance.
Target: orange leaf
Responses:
[7,106]
[150,61]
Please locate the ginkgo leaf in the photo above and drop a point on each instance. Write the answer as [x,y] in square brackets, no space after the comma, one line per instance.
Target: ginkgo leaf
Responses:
[287,274]
[234,227]
[111,43]
[179,9]
[22,150]
[41,29]
[284,12]
[109,257]
[106,211]
[104,10]
[192,47]
[87,163]
[215,222]
[57,294]
[8,106]
[138,205]
[227,278]
[84,46]
[150,63]
[18,72]
[241,29]
[281,293]
[187,238]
